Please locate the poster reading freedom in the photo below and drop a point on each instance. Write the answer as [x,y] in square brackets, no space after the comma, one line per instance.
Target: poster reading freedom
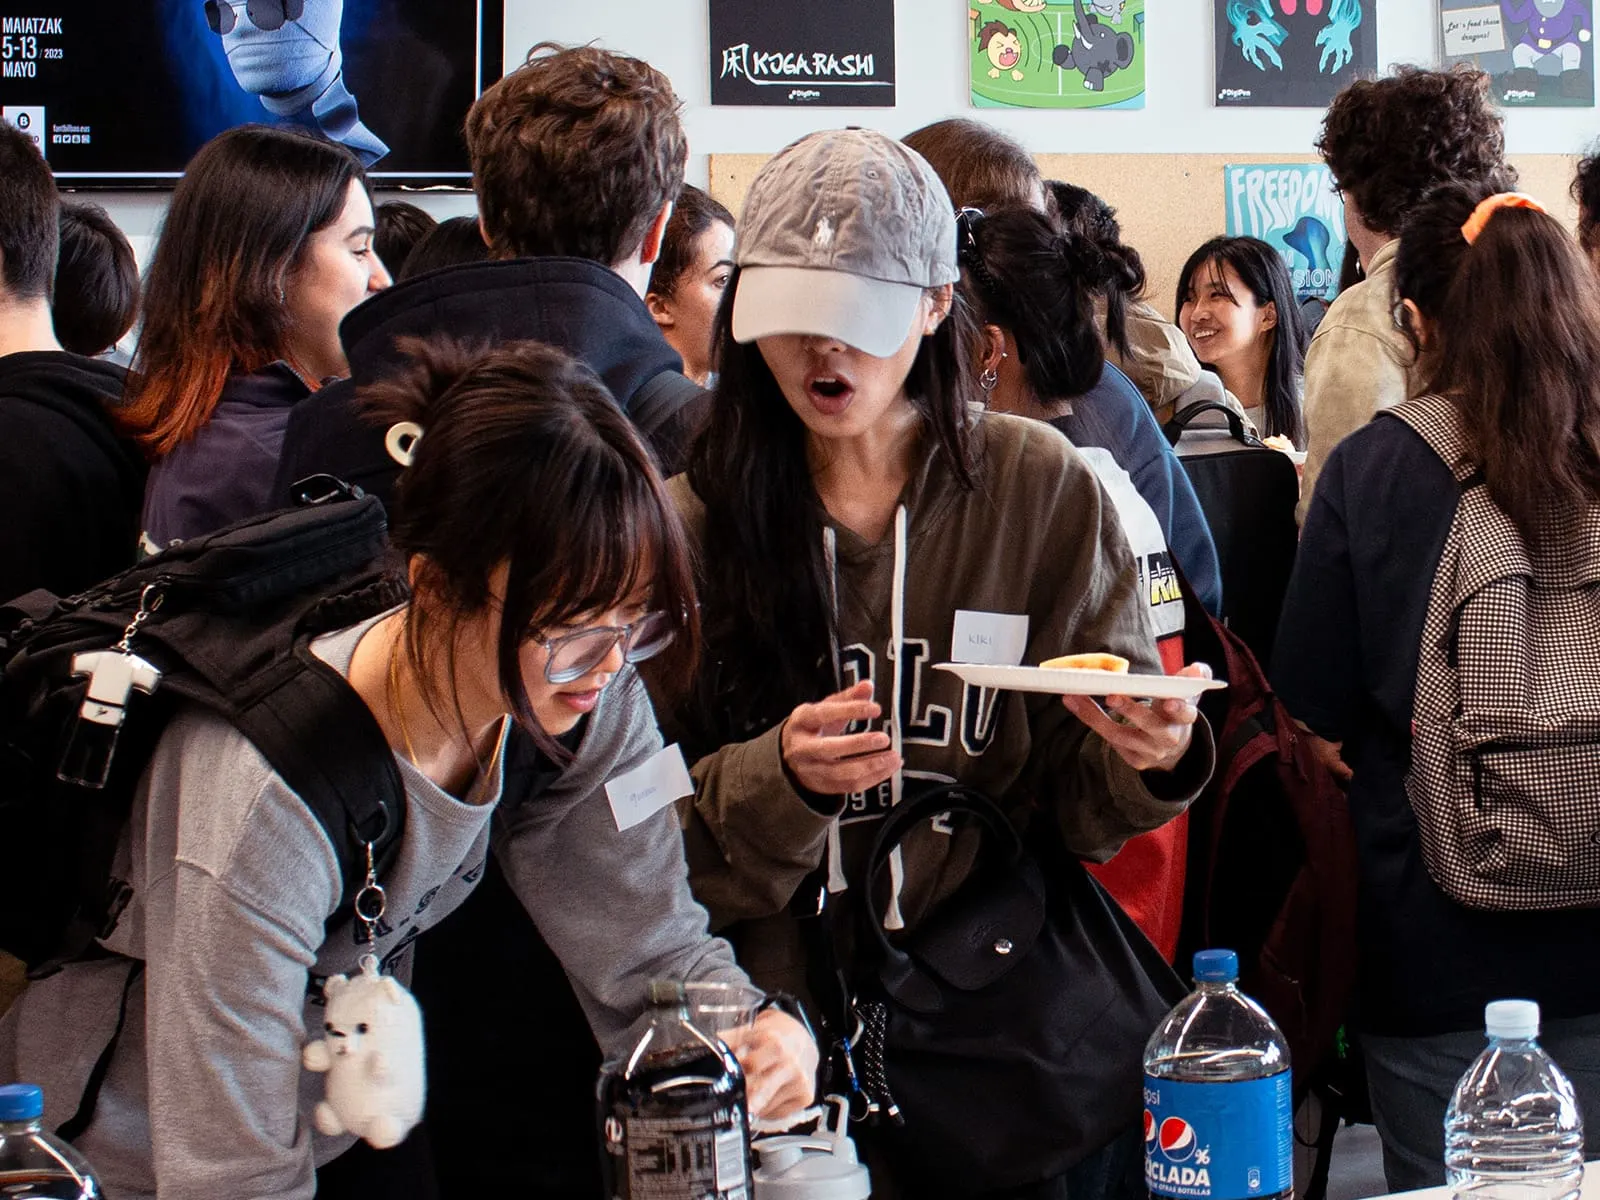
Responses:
[1293,53]
[1294,207]
[1056,53]
[1540,53]
[123,95]
[802,53]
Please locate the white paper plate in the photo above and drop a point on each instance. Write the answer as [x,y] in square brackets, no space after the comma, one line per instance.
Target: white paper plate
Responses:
[1061,682]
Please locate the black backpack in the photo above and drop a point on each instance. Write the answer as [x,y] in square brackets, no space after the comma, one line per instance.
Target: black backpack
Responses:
[224,622]
[1248,492]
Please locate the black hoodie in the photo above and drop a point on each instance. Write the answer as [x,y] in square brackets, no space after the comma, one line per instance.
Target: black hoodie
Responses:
[574,304]
[70,486]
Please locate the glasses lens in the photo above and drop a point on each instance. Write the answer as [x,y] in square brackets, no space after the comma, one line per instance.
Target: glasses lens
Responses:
[652,633]
[574,656]
[219,16]
[266,14]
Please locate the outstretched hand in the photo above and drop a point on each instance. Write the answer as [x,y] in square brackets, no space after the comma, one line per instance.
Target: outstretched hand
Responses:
[1147,735]
[825,759]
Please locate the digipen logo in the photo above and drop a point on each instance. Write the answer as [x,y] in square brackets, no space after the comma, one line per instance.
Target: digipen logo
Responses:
[1177,1139]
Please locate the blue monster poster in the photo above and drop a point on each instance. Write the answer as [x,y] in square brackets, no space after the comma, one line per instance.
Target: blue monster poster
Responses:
[1294,207]
[1540,53]
[1293,53]
[1056,53]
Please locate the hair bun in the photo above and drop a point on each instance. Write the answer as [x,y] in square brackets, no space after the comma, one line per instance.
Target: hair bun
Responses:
[1084,260]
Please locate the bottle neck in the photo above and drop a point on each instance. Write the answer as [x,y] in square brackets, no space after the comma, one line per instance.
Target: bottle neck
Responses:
[1213,987]
[1514,1044]
[17,1128]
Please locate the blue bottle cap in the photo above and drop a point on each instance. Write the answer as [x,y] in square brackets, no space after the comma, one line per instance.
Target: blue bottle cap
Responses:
[1216,966]
[21,1102]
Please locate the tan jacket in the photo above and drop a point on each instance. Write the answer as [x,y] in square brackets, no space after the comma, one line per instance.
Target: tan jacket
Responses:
[1036,538]
[1358,365]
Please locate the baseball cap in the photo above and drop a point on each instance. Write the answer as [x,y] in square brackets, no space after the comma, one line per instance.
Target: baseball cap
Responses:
[841,234]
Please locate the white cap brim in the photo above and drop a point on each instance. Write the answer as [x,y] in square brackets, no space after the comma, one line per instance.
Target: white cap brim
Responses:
[871,315]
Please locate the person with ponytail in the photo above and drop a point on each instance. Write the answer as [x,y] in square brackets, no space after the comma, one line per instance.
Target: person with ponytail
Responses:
[1140,342]
[1236,305]
[267,244]
[1033,287]
[1502,312]
[854,509]
[514,620]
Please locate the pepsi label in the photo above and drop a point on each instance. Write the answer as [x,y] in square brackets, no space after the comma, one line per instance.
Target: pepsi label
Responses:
[1219,1141]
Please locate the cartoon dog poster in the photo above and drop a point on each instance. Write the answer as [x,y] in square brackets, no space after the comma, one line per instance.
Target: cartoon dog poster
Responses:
[1540,53]
[1293,53]
[1056,53]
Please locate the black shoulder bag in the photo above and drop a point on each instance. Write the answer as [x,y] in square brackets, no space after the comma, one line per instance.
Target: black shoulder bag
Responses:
[1002,1039]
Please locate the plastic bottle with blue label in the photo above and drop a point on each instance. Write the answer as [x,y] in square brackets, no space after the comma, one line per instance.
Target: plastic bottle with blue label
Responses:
[1218,1105]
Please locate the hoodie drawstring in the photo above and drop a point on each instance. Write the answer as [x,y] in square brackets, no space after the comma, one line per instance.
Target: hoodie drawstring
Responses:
[897,636]
[830,555]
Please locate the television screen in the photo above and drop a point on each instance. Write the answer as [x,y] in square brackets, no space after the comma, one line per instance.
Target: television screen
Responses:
[121,95]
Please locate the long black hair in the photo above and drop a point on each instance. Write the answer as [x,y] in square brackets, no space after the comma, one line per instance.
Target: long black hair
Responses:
[1085,214]
[1262,271]
[1038,281]
[764,584]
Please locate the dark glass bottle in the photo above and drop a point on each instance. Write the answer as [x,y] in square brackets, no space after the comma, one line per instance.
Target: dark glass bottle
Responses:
[672,1113]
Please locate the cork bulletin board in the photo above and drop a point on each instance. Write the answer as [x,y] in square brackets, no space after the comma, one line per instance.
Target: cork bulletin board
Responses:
[1168,203]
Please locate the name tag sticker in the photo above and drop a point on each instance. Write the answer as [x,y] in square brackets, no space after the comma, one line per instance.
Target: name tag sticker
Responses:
[644,791]
[989,639]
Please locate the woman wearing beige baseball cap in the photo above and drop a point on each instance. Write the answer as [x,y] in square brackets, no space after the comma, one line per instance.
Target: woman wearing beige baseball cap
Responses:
[858,514]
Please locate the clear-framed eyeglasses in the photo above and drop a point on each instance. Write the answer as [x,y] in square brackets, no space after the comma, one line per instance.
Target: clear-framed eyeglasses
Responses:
[573,655]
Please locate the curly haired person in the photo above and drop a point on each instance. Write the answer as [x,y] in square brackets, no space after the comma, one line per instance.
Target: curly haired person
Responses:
[1387,142]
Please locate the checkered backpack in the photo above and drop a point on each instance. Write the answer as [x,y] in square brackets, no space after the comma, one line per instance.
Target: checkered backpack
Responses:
[1505,755]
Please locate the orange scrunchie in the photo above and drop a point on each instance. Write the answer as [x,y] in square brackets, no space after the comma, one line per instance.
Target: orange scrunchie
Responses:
[1480,215]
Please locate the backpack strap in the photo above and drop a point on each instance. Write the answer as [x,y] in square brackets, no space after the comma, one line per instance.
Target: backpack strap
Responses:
[659,400]
[1437,422]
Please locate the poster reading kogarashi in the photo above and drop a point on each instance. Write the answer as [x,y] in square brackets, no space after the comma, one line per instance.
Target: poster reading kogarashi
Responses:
[122,95]
[802,53]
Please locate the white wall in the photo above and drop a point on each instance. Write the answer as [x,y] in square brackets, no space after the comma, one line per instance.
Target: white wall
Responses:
[931,64]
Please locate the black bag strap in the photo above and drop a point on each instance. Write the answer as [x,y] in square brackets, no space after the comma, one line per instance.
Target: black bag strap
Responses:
[73,1127]
[659,400]
[1175,428]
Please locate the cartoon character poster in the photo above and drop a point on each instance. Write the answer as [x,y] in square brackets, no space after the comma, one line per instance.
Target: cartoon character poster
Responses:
[1294,207]
[1293,53]
[1056,53]
[1540,53]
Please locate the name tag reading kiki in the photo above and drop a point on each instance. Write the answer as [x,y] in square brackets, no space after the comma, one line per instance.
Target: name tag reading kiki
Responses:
[989,639]
[644,791]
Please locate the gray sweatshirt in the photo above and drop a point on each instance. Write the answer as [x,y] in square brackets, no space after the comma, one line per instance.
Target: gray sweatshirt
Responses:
[233,879]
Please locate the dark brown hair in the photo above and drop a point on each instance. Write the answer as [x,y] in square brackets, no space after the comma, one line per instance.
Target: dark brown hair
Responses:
[1027,275]
[97,281]
[574,153]
[451,243]
[1083,213]
[1388,141]
[29,204]
[979,166]
[400,227]
[694,213]
[1514,333]
[1586,192]
[525,463]
[214,293]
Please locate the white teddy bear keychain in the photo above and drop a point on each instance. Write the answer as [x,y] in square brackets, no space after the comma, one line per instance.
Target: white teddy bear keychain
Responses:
[372,1051]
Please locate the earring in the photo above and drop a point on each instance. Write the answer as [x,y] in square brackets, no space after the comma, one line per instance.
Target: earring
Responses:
[989,379]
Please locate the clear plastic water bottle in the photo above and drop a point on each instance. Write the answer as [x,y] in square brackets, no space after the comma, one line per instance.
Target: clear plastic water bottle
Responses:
[1218,1105]
[35,1165]
[1513,1130]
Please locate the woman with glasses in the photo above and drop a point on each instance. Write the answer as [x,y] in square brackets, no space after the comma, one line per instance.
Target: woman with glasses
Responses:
[515,620]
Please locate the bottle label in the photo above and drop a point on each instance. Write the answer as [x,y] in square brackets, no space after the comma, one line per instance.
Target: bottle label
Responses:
[1219,1141]
[669,1158]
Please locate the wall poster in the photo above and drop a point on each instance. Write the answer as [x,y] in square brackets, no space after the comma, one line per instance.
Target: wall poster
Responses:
[799,53]
[1056,53]
[1294,207]
[1292,53]
[1540,53]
